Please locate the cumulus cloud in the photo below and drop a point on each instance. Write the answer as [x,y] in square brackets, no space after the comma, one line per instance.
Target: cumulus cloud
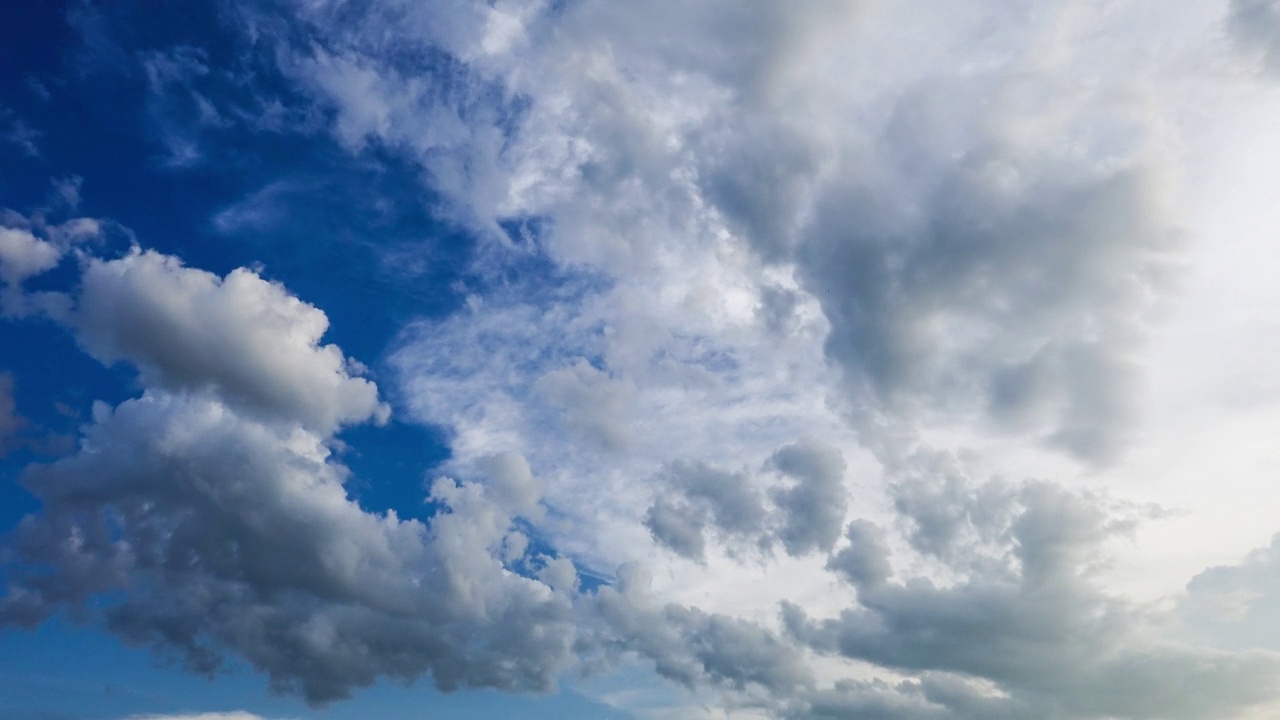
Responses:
[241,337]
[22,256]
[212,510]
[701,496]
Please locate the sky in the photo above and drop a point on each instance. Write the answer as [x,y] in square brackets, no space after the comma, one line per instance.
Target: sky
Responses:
[866,359]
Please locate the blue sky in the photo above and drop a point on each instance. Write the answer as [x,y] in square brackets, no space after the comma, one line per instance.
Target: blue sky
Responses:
[652,360]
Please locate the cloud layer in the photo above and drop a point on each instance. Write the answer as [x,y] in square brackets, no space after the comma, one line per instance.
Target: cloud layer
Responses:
[778,319]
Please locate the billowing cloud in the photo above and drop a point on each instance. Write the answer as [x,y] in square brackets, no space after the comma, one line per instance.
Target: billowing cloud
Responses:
[241,337]
[778,318]
[212,509]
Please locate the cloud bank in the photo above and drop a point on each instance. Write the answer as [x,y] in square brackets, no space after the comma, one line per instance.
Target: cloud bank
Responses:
[762,296]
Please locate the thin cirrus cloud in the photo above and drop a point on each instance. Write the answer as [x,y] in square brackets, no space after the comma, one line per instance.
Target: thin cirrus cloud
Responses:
[780,318]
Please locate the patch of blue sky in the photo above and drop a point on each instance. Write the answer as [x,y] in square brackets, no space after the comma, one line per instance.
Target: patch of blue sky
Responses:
[61,670]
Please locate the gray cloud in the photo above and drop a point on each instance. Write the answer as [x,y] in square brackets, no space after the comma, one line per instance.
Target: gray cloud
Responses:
[1038,629]
[865,561]
[702,497]
[695,648]
[226,534]
[1011,284]
[211,511]
[813,506]
[804,515]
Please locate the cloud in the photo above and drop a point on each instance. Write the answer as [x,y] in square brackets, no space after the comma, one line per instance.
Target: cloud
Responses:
[692,647]
[701,496]
[22,256]
[241,337]
[1035,625]
[1234,606]
[740,265]
[211,510]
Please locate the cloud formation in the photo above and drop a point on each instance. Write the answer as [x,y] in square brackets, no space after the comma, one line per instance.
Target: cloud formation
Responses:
[762,297]
[213,508]
[241,338]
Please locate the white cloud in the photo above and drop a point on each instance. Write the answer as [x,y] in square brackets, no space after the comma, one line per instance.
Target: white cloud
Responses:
[243,338]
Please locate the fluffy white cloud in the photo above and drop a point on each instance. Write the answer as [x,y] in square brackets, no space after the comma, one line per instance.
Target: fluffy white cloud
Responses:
[242,338]
[213,512]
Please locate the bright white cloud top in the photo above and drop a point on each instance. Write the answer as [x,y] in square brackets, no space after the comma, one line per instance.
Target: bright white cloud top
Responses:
[866,359]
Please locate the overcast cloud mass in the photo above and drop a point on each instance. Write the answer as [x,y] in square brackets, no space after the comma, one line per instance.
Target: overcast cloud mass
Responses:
[820,359]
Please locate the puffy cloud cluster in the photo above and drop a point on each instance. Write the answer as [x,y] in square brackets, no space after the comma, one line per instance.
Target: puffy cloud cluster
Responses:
[805,515]
[1040,630]
[212,513]
[241,338]
[743,263]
